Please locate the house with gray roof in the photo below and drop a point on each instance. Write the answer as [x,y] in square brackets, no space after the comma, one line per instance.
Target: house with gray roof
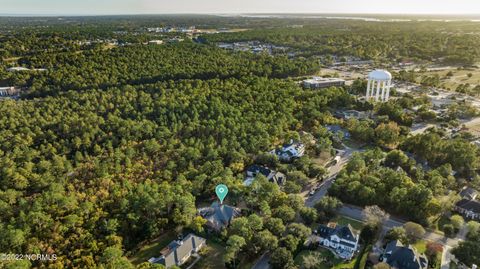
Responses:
[468,193]
[271,175]
[468,206]
[403,257]
[218,215]
[338,131]
[179,251]
[470,209]
[342,239]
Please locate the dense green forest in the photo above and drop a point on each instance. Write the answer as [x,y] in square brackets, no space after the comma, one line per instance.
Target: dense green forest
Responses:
[85,171]
[115,145]
[135,65]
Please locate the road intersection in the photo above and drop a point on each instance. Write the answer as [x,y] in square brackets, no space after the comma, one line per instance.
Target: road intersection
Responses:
[356,213]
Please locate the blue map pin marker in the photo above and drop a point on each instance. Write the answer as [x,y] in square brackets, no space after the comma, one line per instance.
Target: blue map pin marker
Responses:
[221,191]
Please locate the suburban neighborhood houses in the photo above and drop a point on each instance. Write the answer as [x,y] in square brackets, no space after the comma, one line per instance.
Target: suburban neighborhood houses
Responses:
[285,167]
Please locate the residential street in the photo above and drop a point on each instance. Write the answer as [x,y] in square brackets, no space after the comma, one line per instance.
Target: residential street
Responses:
[332,174]
[355,212]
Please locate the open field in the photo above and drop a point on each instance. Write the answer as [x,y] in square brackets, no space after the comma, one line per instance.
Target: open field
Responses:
[458,77]
[474,128]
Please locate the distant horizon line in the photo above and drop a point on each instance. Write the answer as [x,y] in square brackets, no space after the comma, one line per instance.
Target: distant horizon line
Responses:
[231,14]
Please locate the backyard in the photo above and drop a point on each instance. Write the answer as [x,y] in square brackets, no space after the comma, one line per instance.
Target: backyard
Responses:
[212,256]
[326,259]
[152,249]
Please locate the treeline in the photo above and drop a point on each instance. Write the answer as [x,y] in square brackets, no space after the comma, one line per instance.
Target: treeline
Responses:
[148,64]
[434,150]
[391,41]
[86,171]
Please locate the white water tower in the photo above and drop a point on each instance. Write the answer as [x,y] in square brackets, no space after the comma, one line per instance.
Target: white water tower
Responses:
[379,84]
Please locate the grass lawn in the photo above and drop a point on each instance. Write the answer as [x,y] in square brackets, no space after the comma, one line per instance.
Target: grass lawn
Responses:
[453,265]
[330,261]
[342,220]
[345,265]
[212,256]
[421,246]
[152,249]
[322,159]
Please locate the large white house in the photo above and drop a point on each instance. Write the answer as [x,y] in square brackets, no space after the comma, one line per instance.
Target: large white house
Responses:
[289,151]
[341,239]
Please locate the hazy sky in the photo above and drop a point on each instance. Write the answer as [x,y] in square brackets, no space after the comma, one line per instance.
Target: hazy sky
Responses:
[78,7]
